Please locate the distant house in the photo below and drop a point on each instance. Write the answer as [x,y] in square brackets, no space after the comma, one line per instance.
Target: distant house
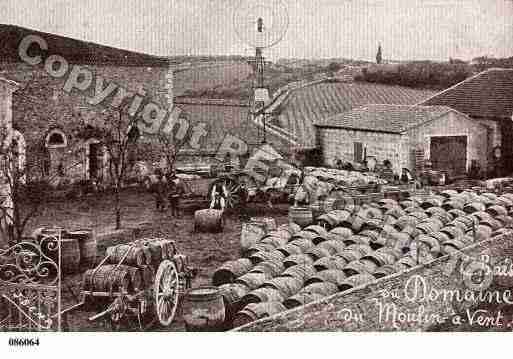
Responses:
[488,99]
[446,137]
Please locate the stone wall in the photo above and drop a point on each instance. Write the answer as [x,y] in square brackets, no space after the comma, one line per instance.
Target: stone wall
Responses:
[41,105]
[453,124]
[339,144]
[393,303]
[399,148]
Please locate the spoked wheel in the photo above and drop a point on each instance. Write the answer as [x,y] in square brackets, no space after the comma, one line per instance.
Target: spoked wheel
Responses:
[166,288]
[232,187]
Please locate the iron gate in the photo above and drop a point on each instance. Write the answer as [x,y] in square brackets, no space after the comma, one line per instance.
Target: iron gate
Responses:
[30,284]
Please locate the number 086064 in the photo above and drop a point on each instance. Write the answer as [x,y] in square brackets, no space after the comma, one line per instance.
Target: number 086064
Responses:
[22,342]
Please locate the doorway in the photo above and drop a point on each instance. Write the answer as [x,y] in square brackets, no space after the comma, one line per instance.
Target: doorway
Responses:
[95,160]
[449,154]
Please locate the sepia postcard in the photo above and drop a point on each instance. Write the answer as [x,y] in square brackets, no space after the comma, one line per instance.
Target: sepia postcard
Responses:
[255,166]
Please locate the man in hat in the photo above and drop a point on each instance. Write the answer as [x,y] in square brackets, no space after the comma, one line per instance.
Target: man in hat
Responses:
[217,197]
[175,191]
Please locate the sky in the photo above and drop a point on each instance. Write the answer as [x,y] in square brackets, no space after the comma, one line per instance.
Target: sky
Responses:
[406,29]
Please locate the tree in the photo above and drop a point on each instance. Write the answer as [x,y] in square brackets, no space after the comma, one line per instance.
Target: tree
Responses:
[118,134]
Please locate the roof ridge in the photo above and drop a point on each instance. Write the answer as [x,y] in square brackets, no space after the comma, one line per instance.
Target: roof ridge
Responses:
[455,85]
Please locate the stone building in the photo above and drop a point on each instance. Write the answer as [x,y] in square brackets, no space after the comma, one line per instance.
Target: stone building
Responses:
[296,110]
[487,98]
[58,102]
[446,137]
[8,137]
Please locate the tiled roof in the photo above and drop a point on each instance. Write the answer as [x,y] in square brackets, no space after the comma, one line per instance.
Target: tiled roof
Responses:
[487,94]
[385,118]
[221,120]
[311,104]
[75,51]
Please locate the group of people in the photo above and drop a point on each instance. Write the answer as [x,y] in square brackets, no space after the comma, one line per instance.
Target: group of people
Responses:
[167,188]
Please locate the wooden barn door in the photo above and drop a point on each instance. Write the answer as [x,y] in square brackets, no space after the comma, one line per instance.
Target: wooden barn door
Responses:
[449,154]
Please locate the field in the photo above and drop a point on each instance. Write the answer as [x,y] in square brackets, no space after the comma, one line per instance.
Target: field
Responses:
[206,251]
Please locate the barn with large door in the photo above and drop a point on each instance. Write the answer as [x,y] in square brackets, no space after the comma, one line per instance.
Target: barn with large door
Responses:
[406,135]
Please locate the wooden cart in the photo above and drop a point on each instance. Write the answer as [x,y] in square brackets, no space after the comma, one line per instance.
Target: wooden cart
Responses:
[140,309]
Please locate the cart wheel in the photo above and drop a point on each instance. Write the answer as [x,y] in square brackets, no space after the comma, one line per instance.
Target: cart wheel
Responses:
[166,289]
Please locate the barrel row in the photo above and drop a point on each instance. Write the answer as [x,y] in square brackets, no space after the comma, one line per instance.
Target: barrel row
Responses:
[353,247]
[142,252]
[118,278]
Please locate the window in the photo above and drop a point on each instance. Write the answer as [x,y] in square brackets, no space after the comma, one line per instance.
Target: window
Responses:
[55,139]
[358,152]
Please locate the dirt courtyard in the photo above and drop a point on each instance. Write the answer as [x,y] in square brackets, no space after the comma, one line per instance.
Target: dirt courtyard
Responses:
[206,251]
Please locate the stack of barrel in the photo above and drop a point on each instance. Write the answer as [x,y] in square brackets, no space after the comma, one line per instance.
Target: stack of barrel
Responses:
[129,268]
[78,247]
[294,265]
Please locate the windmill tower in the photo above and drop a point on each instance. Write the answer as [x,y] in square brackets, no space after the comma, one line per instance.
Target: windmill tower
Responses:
[260,24]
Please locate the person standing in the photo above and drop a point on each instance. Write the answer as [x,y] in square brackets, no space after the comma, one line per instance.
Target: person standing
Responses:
[176,190]
[159,190]
[243,202]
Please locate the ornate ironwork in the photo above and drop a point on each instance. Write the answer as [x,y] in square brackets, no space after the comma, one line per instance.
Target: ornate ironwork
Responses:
[30,284]
[30,262]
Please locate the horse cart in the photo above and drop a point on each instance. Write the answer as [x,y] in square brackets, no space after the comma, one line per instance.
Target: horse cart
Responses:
[136,286]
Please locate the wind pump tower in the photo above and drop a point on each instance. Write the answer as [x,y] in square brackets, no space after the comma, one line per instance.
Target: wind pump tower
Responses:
[260,24]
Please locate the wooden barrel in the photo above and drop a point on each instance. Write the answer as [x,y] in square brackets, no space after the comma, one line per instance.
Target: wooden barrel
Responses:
[303,243]
[291,227]
[130,254]
[147,276]
[230,270]
[288,286]
[208,220]
[298,259]
[356,239]
[324,289]
[88,246]
[251,233]
[262,295]
[272,268]
[301,299]
[232,294]
[276,239]
[320,231]
[259,257]
[255,311]
[203,309]
[259,247]
[340,233]
[385,271]
[334,276]
[70,255]
[356,281]
[290,249]
[107,278]
[331,262]
[301,272]
[334,246]
[253,280]
[359,267]
[301,216]
[136,281]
